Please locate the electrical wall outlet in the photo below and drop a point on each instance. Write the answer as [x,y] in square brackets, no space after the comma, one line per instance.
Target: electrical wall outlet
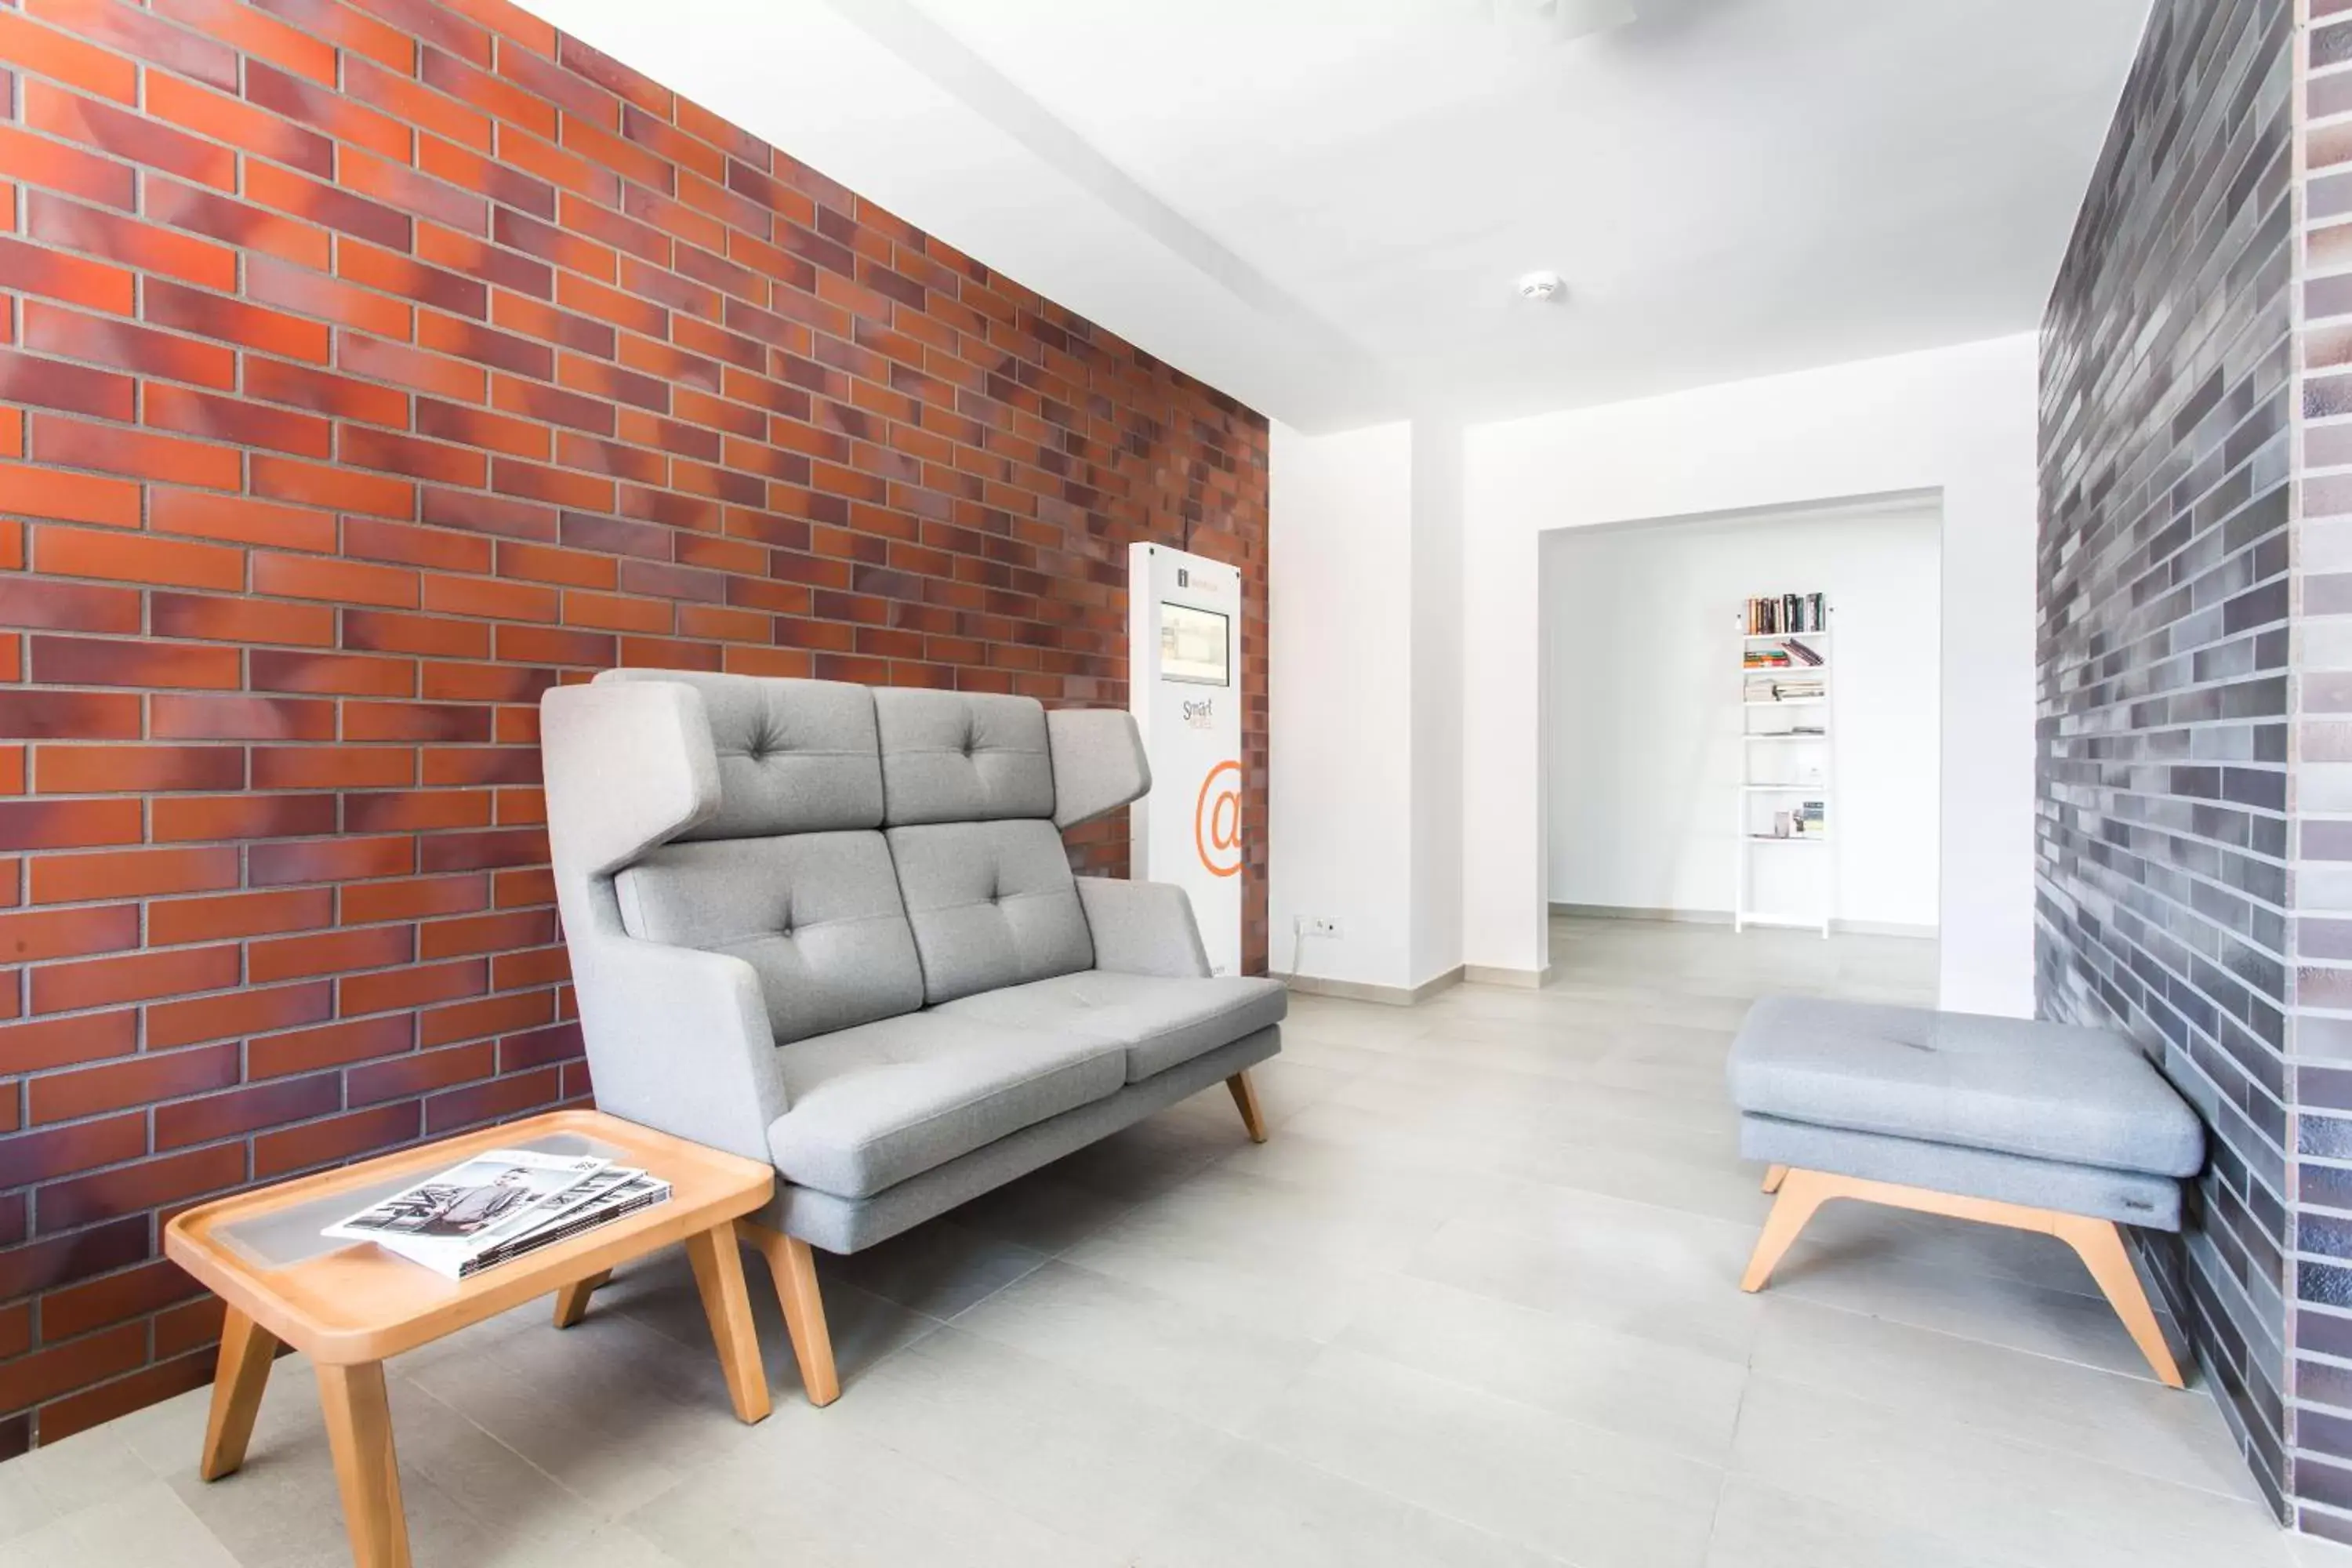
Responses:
[1325,928]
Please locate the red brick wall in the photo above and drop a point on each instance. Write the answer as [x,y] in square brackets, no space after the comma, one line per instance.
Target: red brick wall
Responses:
[364,369]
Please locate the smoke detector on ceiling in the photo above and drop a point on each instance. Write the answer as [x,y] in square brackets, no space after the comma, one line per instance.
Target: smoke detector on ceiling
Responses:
[1542,287]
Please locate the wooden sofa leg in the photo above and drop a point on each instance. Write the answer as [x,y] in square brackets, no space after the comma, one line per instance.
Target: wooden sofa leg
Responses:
[1802,1191]
[794,1269]
[571,1301]
[2100,1244]
[1774,1176]
[1245,1102]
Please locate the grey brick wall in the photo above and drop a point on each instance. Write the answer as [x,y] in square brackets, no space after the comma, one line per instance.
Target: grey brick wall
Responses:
[2319,1384]
[2162,901]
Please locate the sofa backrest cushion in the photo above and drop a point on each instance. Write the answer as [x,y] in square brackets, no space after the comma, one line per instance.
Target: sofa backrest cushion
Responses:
[953,756]
[966,889]
[818,915]
[993,903]
[794,756]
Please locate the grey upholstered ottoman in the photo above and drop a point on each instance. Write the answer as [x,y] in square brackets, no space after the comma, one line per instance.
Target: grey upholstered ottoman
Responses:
[2043,1127]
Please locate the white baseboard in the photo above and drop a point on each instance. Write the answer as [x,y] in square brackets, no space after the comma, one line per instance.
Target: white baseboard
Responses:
[1525,979]
[1723,918]
[1365,991]
[1885,928]
[1628,912]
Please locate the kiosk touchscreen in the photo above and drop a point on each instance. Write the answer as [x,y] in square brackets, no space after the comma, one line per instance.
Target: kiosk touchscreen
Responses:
[1184,630]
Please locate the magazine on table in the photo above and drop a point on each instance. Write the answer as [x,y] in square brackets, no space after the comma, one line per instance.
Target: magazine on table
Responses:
[633,1191]
[497,1205]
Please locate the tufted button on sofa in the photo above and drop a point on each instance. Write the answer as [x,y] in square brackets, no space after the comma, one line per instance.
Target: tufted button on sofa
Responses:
[834,927]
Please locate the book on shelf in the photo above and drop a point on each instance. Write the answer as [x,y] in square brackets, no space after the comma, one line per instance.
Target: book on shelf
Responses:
[1800,689]
[1807,819]
[1782,614]
[1789,654]
[497,1205]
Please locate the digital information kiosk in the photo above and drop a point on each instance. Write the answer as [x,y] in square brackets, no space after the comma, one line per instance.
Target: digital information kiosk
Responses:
[1184,641]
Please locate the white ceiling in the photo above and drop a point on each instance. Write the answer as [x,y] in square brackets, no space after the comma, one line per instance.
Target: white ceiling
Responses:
[1321,206]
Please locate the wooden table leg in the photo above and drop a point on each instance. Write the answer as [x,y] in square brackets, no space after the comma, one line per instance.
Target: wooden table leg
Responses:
[246,1350]
[571,1301]
[719,1275]
[359,1431]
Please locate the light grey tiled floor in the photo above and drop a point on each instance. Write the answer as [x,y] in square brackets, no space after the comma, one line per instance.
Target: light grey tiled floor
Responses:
[1473,1304]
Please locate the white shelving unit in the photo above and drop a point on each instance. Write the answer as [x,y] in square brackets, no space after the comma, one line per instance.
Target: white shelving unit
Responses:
[1785,770]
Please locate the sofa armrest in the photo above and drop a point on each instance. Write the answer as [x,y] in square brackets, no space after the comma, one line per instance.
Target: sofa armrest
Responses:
[1143,928]
[678,1040]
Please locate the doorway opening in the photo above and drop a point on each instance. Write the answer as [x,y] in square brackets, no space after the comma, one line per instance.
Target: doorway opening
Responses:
[1711,761]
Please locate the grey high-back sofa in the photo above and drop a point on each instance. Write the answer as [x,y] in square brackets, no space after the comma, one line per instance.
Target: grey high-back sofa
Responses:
[834,927]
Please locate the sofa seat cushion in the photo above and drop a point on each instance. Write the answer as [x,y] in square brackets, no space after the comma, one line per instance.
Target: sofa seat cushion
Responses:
[1158,1021]
[2051,1091]
[874,1105]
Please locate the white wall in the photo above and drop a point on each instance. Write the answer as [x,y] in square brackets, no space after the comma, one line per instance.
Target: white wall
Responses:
[1645,721]
[1959,422]
[1436,701]
[1341,607]
[1366,794]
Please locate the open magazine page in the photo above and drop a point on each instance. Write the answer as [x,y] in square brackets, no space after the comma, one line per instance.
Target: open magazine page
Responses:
[472,1206]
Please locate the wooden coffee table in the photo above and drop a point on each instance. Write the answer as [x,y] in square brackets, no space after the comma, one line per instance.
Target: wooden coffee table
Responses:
[349,1305]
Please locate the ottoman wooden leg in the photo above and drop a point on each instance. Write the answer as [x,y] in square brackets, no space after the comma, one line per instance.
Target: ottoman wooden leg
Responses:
[2100,1244]
[1802,1191]
[1774,1176]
